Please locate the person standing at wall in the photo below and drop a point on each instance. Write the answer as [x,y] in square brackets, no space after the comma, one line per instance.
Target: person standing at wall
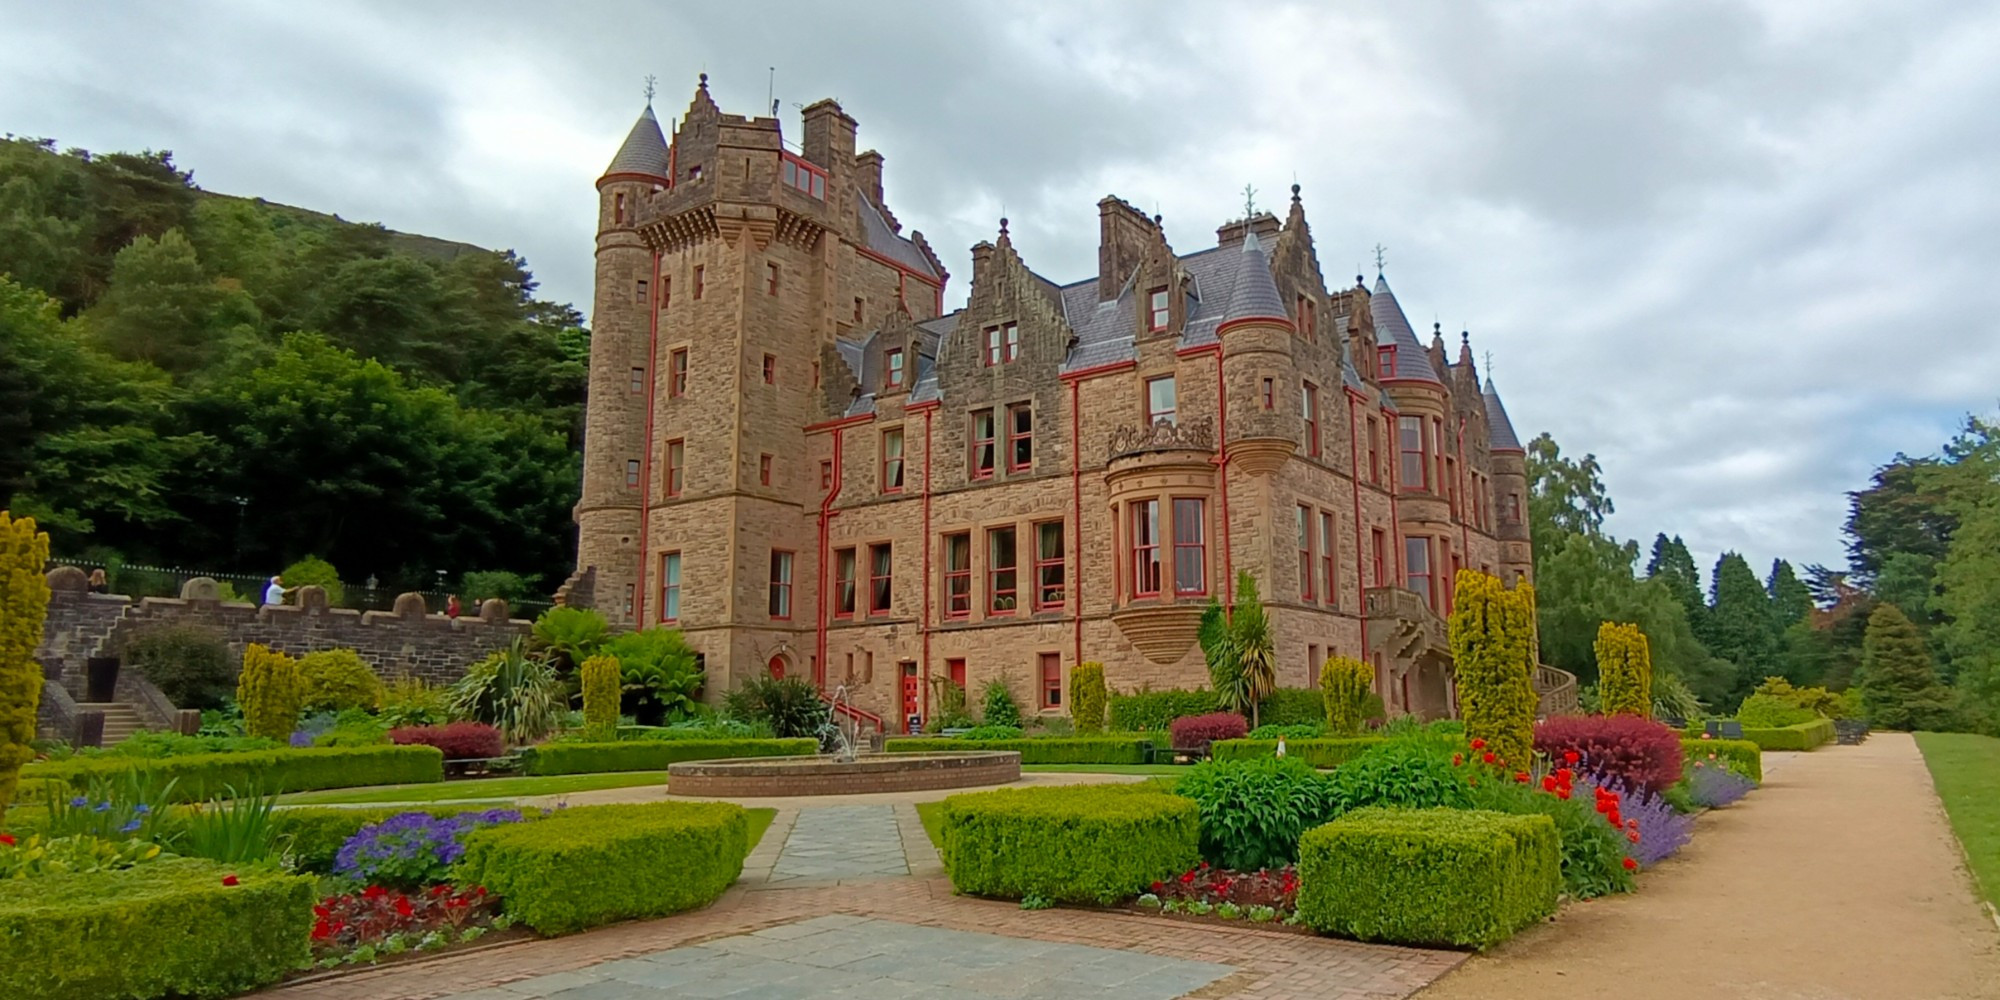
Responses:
[275,593]
[451,606]
[99,583]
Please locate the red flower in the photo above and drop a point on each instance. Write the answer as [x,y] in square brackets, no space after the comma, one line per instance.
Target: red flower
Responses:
[8,839]
[374,892]
[1157,886]
[1456,760]
[1631,824]
[403,906]
[322,930]
[1563,794]
[479,890]
[1565,775]
[231,879]
[1631,865]
[1478,744]
[1633,836]
[1488,757]
[1187,878]
[1571,757]
[1613,817]
[1548,782]
[1521,777]
[320,910]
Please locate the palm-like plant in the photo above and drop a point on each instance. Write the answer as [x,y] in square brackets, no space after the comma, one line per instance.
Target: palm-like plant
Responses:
[658,672]
[1242,661]
[511,691]
[570,635]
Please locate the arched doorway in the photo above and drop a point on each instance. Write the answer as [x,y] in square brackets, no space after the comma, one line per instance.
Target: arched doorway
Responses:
[777,667]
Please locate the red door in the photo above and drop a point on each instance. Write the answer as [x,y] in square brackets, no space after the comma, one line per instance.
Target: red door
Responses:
[777,667]
[910,693]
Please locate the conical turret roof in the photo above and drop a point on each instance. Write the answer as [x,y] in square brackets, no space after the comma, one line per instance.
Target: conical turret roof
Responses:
[1254,294]
[1392,327]
[644,151]
[1500,434]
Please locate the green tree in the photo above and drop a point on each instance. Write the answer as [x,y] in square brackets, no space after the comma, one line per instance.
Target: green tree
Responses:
[1791,601]
[1673,565]
[1898,685]
[1564,495]
[658,672]
[1625,669]
[1738,625]
[163,309]
[1492,650]
[24,603]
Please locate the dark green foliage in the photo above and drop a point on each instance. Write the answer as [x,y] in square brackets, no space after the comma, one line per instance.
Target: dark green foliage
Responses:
[579,868]
[1742,756]
[650,755]
[790,706]
[1080,843]
[168,928]
[1673,565]
[1407,773]
[991,733]
[1763,711]
[1322,751]
[1898,685]
[188,663]
[1738,627]
[1154,711]
[1593,853]
[202,776]
[1804,736]
[1292,707]
[999,708]
[1106,749]
[157,745]
[1428,877]
[1791,601]
[658,674]
[1253,811]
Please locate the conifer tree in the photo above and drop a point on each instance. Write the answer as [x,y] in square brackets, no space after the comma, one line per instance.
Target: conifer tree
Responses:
[24,604]
[1791,601]
[1492,648]
[1738,624]
[1673,565]
[1624,670]
[1088,697]
[269,691]
[1344,684]
[602,688]
[1899,688]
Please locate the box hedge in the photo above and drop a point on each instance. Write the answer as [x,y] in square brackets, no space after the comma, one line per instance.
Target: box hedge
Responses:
[169,928]
[206,775]
[1319,752]
[1804,736]
[1128,748]
[582,867]
[1077,843]
[1153,711]
[651,755]
[1744,756]
[1456,877]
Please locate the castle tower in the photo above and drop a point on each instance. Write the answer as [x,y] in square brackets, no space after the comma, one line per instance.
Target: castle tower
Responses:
[1510,490]
[1419,441]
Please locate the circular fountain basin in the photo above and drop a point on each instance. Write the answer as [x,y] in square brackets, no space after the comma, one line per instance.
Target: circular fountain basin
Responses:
[751,777]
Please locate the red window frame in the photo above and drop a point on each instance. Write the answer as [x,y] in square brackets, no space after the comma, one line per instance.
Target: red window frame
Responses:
[954,668]
[764,470]
[1145,528]
[618,209]
[1412,451]
[666,290]
[1302,527]
[801,176]
[1329,592]
[1190,547]
[1170,414]
[1309,404]
[982,447]
[1051,586]
[1012,341]
[1051,664]
[700,281]
[1270,394]
[782,562]
[1003,343]
[958,578]
[891,472]
[1417,550]
[1374,450]
[676,460]
[892,365]
[1017,438]
[843,582]
[1437,451]
[858,304]
[1380,540]
[1385,361]
[1003,582]
[825,474]
[770,369]
[670,586]
[770,279]
[1157,313]
[677,373]
[641,292]
[881,578]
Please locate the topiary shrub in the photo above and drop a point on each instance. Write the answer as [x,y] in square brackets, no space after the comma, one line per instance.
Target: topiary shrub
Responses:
[1493,653]
[1195,732]
[1344,686]
[1463,878]
[1087,696]
[1078,843]
[1768,711]
[333,680]
[1253,811]
[188,663]
[1636,753]
[1152,711]
[1593,851]
[24,604]
[202,776]
[600,698]
[268,689]
[1267,731]
[457,740]
[1742,756]
[650,755]
[1406,773]
[1292,707]
[1624,670]
[999,708]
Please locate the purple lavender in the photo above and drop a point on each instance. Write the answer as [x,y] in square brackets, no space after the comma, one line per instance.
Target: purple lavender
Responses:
[301,739]
[1714,786]
[412,849]
[1662,829]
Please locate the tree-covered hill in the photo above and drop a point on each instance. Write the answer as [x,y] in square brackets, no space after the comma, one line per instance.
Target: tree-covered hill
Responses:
[230,384]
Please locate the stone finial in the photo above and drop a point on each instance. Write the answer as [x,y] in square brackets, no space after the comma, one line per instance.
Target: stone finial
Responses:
[493,609]
[312,598]
[201,588]
[68,579]
[411,605]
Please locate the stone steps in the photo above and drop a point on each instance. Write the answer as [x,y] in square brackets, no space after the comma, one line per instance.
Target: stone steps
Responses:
[120,720]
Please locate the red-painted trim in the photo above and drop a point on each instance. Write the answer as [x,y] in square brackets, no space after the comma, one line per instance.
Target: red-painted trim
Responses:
[904,268]
[1075,580]
[646,456]
[1395,507]
[826,515]
[1222,477]
[1464,530]
[926,625]
[633,176]
[1104,369]
[1507,451]
[1228,325]
[1399,380]
[1354,455]
[839,423]
[924,407]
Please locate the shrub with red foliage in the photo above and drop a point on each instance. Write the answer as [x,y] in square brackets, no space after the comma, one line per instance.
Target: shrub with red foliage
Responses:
[458,740]
[1633,752]
[1193,732]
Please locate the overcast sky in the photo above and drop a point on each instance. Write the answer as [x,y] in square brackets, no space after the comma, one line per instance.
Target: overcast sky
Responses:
[1742,252]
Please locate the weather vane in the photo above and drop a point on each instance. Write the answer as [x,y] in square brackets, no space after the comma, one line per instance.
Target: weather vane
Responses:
[1381,254]
[1249,201]
[1489,364]
[651,80]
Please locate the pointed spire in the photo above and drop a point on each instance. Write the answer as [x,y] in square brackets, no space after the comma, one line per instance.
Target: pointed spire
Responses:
[1465,347]
[1297,216]
[1392,327]
[1254,295]
[1500,434]
[645,149]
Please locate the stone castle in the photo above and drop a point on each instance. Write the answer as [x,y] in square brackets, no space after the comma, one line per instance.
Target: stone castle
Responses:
[794,455]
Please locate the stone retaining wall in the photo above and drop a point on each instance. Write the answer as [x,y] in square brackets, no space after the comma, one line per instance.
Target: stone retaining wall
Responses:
[773,776]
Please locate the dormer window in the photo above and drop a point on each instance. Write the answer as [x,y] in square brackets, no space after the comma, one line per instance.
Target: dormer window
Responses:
[1003,344]
[1156,310]
[1385,361]
[894,366]
[802,176]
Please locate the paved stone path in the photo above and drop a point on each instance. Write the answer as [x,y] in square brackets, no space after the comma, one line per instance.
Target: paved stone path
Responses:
[831,843]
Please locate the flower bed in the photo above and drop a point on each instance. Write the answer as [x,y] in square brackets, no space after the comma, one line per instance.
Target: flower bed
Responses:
[1633,752]
[1077,843]
[362,927]
[316,834]
[1130,748]
[1260,897]
[650,755]
[1712,784]
[202,776]
[456,740]
[1743,757]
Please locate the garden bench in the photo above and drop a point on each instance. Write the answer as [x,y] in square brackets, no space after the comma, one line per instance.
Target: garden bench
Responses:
[476,766]
[1849,732]
[1725,729]
[1175,755]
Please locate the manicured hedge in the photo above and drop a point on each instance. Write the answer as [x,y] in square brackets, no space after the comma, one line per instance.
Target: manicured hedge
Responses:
[1319,752]
[1462,877]
[205,775]
[166,928]
[582,867]
[1746,757]
[1804,736]
[1292,706]
[1077,843]
[313,835]
[1120,749]
[651,755]
[1153,711]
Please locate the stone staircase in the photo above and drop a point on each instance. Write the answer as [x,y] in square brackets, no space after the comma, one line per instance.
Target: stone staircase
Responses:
[120,720]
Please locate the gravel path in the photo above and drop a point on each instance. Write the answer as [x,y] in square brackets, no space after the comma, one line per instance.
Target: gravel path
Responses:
[1838,879]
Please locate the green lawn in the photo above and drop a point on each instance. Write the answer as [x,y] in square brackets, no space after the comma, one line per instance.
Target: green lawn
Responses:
[1966,771]
[1149,769]
[477,789]
[932,815]
[760,821]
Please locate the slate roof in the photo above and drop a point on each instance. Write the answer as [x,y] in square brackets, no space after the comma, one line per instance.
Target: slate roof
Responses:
[1392,327]
[645,148]
[1255,293]
[883,239]
[1500,434]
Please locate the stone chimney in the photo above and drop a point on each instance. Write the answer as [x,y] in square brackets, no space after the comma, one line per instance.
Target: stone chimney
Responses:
[1123,233]
[868,176]
[829,136]
[1266,226]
